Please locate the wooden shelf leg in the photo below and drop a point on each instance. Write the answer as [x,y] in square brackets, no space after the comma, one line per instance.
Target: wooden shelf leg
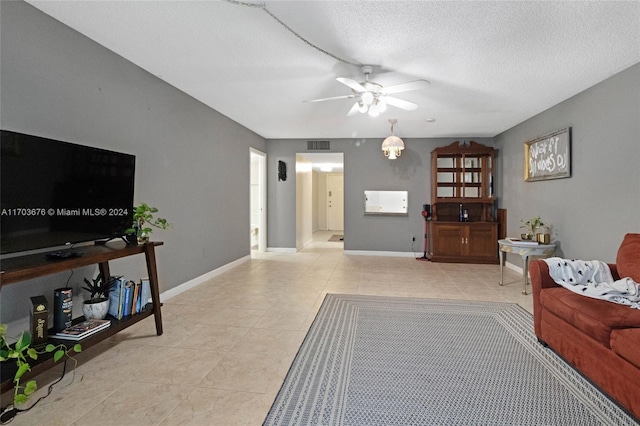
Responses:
[150,255]
[104,270]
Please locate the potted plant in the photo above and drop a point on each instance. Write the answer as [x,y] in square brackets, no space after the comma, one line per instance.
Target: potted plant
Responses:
[531,226]
[20,352]
[536,230]
[143,215]
[98,304]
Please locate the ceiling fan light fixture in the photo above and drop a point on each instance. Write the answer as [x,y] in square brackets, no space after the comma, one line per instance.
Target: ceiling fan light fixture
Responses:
[369,93]
[367,98]
[392,146]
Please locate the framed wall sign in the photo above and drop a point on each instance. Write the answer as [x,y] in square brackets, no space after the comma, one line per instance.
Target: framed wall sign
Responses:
[548,156]
[386,202]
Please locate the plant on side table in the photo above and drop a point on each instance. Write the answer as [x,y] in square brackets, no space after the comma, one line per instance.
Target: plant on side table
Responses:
[143,214]
[21,352]
[536,230]
[98,304]
[531,226]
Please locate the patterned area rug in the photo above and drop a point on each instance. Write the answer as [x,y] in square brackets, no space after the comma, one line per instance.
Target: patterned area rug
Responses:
[336,237]
[371,360]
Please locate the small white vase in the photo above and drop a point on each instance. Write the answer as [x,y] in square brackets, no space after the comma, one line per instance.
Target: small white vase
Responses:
[97,310]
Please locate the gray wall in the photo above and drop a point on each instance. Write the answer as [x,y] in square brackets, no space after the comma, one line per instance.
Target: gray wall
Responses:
[365,168]
[593,209]
[192,162]
[590,211]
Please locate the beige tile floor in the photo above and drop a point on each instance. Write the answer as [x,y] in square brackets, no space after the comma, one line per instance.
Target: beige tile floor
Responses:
[228,343]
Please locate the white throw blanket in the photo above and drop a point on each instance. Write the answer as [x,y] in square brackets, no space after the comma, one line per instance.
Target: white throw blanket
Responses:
[593,279]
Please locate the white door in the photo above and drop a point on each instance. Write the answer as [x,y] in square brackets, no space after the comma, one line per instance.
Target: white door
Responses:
[335,202]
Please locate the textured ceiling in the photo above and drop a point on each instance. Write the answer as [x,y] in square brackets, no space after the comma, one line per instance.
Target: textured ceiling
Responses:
[491,64]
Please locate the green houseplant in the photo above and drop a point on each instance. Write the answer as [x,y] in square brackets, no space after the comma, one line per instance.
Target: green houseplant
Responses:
[531,226]
[98,304]
[142,220]
[21,352]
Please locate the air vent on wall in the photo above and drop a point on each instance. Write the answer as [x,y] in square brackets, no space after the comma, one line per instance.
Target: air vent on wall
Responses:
[318,145]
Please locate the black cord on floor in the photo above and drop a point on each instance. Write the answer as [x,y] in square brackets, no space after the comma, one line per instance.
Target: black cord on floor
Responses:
[9,415]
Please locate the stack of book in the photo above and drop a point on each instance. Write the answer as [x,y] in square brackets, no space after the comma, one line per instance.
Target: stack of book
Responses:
[83,329]
[522,242]
[128,297]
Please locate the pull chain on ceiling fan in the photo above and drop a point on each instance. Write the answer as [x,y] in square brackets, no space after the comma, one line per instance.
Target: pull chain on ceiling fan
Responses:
[373,98]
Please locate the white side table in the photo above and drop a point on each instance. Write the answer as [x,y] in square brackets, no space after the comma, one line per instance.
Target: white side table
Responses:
[524,250]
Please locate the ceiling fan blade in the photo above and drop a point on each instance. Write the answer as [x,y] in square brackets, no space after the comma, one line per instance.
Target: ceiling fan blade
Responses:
[352,83]
[406,87]
[331,99]
[400,103]
[354,110]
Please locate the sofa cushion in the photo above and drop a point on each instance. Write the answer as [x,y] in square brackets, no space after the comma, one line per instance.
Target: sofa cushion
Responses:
[626,343]
[628,258]
[595,317]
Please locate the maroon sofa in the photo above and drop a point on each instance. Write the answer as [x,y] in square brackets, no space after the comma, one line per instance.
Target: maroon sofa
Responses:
[601,339]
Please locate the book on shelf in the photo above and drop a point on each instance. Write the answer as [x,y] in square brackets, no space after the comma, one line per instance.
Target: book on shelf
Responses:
[115,298]
[520,241]
[83,329]
[145,292]
[128,298]
[135,308]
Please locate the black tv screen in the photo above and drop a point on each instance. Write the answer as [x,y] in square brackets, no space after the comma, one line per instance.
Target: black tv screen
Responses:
[55,193]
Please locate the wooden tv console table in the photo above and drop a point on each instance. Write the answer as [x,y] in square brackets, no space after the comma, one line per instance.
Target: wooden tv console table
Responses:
[19,269]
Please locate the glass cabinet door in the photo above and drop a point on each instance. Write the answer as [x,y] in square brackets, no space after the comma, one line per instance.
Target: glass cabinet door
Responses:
[461,176]
[472,184]
[448,176]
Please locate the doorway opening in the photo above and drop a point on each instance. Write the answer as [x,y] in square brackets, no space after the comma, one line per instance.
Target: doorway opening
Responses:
[320,199]
[258,201]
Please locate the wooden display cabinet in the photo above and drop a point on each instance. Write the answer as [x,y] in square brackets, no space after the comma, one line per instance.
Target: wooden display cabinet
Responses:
[462,178]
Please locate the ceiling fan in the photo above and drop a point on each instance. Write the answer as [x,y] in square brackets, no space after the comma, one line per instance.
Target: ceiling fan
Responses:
[372,97]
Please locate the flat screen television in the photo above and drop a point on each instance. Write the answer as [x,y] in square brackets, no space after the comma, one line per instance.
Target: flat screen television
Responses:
[55,193]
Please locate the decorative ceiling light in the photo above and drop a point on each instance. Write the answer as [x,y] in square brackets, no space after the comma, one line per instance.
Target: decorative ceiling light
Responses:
[392,146]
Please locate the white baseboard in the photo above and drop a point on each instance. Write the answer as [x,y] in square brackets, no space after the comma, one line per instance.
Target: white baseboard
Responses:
[282,249]
[305,244]
[166,295]
[379,253]
[513,267]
